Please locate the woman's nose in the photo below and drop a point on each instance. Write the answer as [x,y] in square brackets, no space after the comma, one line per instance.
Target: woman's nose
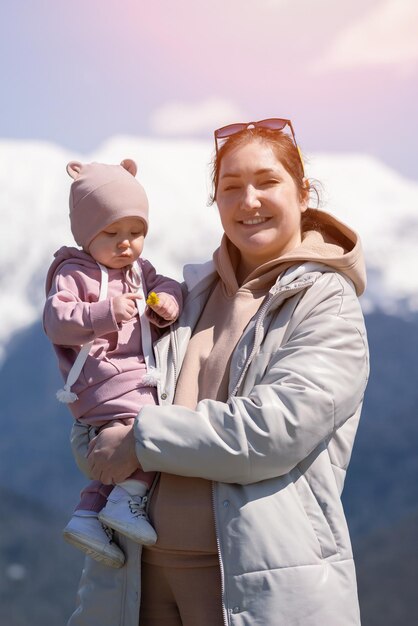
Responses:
[251,200]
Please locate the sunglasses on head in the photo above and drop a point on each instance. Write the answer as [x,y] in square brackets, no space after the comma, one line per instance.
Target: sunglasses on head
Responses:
[274,123]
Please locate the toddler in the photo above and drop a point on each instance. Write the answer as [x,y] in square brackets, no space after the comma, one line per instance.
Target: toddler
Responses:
[102,327]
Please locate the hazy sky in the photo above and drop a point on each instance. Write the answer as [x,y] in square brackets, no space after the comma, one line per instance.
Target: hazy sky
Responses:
[346,73]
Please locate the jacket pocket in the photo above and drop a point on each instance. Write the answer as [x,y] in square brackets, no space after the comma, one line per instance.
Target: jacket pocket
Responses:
[315,515]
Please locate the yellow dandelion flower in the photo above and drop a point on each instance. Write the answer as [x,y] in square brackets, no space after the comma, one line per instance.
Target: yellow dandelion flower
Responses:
[152,299]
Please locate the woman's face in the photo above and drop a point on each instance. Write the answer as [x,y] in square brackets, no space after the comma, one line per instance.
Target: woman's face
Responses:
[259,204]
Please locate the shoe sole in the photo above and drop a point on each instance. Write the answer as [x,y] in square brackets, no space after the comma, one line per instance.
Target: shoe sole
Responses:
[124,530]
[94,554]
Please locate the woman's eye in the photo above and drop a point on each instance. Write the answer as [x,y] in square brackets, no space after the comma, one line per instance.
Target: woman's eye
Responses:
[269,182]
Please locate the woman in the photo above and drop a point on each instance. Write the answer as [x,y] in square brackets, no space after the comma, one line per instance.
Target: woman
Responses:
[267,368]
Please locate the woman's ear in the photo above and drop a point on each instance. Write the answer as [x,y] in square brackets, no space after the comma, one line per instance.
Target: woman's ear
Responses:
[73,169]
[130,166]
[304,197]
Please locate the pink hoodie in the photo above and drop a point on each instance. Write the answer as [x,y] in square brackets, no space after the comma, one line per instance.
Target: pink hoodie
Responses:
[73,316]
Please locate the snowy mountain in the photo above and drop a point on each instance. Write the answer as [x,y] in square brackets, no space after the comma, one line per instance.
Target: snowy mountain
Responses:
[34,188]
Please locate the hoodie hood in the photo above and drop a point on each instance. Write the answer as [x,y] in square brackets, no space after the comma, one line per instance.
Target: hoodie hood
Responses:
[62,256]
[327,240]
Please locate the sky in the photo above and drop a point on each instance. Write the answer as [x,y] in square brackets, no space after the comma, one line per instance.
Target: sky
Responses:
[76,73]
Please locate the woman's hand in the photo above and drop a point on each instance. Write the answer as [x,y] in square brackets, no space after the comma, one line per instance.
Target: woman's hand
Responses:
[111,454]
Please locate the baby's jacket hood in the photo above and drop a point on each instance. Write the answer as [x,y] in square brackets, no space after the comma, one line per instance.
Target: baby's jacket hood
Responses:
[63,256]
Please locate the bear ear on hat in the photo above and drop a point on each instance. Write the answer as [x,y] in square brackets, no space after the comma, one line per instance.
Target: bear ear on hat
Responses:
[74,168]
[130,166]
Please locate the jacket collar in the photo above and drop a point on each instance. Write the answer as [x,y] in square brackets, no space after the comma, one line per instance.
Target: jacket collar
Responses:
[200,275]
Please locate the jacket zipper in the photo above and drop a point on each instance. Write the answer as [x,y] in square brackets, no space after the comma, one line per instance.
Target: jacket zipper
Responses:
[261,314]
[260,318]
[173,343]
[156,477]
[221,565]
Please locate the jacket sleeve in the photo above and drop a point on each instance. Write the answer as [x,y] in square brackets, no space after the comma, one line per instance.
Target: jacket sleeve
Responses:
[161,284]
[70,321]
[309,387]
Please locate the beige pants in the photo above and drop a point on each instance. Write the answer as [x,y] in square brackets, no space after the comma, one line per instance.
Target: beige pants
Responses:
[187,596]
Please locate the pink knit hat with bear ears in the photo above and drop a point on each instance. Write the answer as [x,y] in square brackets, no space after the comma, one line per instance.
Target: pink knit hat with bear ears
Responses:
[102,194]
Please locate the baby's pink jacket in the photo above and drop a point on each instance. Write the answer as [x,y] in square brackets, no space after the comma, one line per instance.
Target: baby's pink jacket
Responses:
[73,316]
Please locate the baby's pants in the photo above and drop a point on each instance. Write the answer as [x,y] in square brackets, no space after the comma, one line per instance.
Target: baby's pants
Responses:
[94,496]
[180,596]
[124,408]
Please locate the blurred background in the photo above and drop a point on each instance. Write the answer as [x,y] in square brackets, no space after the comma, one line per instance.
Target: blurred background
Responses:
[94,80]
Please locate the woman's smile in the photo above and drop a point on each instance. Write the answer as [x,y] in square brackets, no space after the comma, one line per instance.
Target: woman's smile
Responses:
[254,221]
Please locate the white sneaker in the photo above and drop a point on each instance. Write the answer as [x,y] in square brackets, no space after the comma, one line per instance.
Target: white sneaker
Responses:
[126,514]
[92,537]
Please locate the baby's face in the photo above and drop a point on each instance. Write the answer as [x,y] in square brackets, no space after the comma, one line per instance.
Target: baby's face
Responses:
[119,244]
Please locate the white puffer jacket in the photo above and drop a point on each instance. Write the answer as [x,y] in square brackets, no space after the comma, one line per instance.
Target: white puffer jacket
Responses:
[277,453]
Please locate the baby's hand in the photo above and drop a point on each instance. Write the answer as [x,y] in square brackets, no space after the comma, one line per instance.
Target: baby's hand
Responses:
[164,305]
[124,307]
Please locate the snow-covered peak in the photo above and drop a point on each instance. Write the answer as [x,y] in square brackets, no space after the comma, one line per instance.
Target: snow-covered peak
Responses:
[373,199]
[382,206]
